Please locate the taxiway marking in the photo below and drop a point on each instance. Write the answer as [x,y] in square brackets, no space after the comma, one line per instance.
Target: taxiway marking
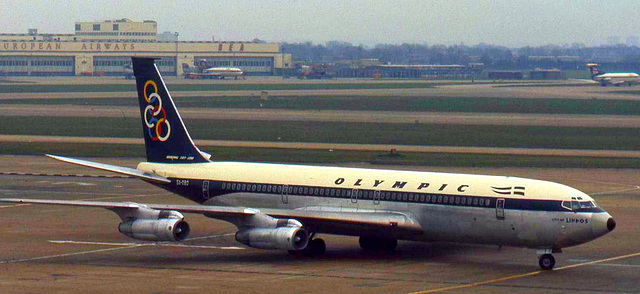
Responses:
[144,244]
[118,246]
[67,254]
[493,281]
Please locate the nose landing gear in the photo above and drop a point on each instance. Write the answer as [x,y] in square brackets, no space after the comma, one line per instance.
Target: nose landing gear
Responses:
[547,262]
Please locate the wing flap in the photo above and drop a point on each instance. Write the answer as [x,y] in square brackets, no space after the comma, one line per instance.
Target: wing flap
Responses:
[112,168]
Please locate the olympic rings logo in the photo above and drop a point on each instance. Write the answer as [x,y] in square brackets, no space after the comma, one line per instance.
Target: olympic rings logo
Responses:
[154,115]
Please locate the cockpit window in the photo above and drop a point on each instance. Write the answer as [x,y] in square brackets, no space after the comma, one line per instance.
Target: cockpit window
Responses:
[578,205]
[586,205]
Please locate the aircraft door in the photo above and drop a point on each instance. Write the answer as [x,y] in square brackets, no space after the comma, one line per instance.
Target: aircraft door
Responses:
[376,197]
[285,194]
[354,195]
[205,189]
[500,209]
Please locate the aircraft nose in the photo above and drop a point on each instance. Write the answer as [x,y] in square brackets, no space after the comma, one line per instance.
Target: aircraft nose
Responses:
[602,223]
[611,224]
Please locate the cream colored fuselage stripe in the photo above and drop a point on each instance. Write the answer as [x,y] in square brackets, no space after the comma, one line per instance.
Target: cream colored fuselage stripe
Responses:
[371,179]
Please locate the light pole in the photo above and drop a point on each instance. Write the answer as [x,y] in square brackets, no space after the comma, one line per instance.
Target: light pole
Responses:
[176,34]
[282,64]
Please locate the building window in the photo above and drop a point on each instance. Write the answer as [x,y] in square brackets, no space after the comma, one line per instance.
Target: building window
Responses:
[78,27]
[115,27]
[96,27]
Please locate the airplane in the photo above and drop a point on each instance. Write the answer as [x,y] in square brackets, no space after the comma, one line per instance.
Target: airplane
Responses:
[222,72]
[200,72]
[617,79]
[286,206]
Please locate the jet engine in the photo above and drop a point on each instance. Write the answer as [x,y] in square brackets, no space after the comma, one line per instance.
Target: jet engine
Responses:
[165,229]
[285,238]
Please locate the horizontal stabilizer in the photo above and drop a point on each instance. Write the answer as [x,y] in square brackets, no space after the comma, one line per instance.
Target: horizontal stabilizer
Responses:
[112,168]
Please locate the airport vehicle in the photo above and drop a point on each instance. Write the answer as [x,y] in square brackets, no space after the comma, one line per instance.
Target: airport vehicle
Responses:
[616,79]
[278,206]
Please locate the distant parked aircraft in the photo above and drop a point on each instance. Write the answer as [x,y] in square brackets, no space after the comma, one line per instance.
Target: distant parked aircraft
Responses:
[223,72]
[616,78]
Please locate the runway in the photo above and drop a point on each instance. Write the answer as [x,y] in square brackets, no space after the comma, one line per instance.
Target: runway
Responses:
[68,249]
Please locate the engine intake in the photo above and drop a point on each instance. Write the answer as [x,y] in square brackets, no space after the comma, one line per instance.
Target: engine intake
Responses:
[168,229]
[284,238]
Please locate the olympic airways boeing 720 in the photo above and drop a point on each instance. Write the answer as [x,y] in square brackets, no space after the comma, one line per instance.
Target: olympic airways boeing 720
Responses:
[285,207]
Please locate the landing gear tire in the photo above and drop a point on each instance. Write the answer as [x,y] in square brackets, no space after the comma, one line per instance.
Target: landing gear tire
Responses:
[547,262]
[378,244]
[316,247]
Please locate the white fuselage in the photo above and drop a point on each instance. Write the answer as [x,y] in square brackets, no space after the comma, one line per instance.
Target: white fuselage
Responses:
[617,78]
[223,72]
[449,207]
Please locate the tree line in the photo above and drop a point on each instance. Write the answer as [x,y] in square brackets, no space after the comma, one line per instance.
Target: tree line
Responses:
[620,57]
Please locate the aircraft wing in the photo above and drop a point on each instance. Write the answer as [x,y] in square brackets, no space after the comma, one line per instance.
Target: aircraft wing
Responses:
[322,219]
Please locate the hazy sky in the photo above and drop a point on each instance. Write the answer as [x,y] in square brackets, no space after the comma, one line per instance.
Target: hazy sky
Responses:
[511,23]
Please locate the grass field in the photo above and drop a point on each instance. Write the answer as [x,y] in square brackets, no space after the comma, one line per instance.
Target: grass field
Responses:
[327,157]
[439,104]
[52,88]
[338,132]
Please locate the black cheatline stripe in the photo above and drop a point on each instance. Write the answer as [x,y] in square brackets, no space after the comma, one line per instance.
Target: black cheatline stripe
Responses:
[519,188]
[518,193]
[215,189]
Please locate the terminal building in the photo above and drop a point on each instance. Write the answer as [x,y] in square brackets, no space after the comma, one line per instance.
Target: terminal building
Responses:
[106,47]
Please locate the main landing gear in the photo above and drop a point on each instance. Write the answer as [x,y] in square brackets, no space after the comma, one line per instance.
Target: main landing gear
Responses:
[378,244]
[315,247]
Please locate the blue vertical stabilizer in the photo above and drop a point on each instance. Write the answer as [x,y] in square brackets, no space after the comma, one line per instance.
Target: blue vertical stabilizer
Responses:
[165,136]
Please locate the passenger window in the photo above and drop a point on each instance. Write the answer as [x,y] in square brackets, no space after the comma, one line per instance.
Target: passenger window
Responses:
[439,199]
[233,186]
[333,192]
[428,198]
[244,187]
[269,188]
[475,201]
[306,191]
[446,199]
[481,202]
[404,197]
[410,197]
[421,198]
